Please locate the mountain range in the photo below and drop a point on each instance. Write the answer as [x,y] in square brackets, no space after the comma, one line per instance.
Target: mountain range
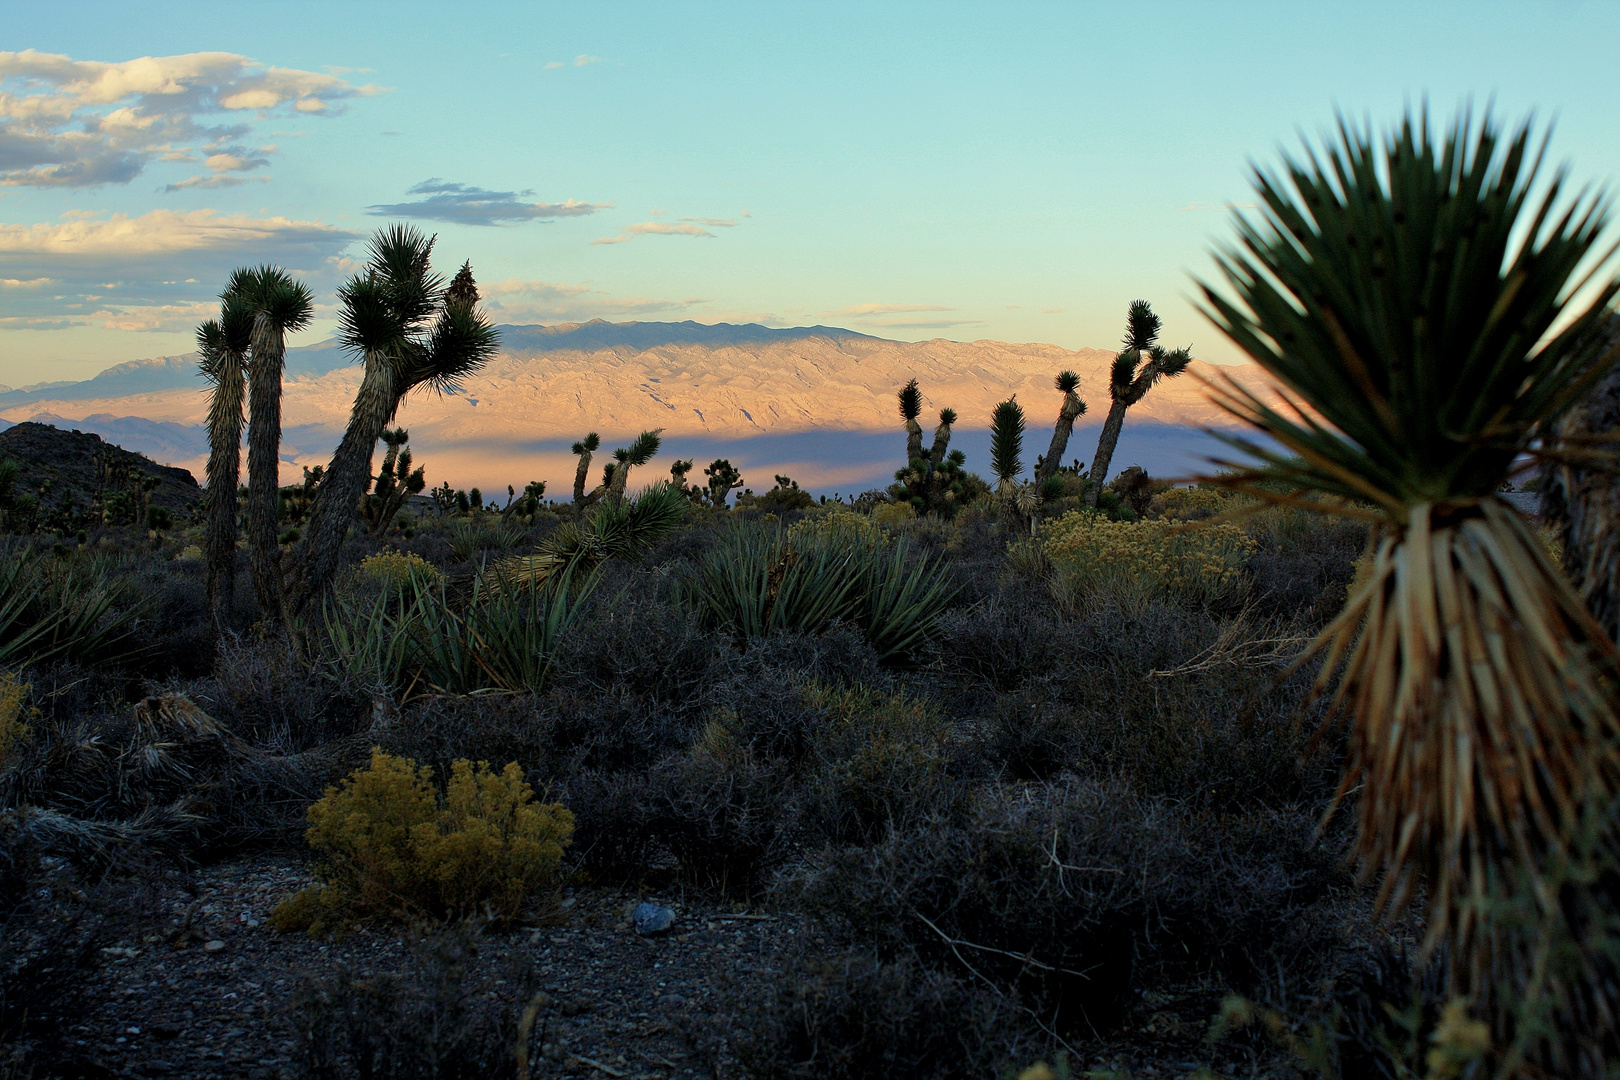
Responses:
[815,402]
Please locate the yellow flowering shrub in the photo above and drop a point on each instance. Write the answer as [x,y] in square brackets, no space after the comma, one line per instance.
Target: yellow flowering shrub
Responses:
[842,528]
[1159,559]
[1189,504]
[398,568]
[892,513]
[391,843]
[12,730]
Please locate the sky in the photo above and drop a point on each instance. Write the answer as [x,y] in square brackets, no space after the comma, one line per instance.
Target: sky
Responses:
[1008,171]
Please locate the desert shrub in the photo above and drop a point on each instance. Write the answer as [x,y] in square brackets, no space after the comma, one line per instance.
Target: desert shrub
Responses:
[1152,559]
[1190,503]
[754,583]
[1071,897]
[721,811]
[468,538]
[12,729]
[881,761]
[440,1018]
[627,642]
[265,693]
[389,843]
[840,527]
[853,1015]
[892,513]
[1304,562]
[1007,641]
[398,568]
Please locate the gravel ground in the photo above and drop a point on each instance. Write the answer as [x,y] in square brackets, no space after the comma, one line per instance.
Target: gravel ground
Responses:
[209,990]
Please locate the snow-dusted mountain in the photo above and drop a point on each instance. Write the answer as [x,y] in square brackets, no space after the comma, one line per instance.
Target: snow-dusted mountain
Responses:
[817,402]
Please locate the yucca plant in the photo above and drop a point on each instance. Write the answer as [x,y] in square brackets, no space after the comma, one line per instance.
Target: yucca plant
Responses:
[1007,443]
[1071,410]
[50,610]
[622,530]
[223,345]
[278,306]
[409,331]
[1414,301]
[1141,363]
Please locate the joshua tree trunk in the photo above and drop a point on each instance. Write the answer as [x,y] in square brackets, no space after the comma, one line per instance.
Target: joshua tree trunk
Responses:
[914,449]
[264,467]
[338,497]
[1105,449]
[224,476]
[942,440]
[581,476]
[1072,409]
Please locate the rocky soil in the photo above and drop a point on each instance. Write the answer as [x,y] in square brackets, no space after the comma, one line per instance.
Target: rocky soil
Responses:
[210,990]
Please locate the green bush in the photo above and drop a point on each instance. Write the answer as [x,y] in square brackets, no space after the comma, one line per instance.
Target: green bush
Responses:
[1145,560]
[12,729]
[390,844]
[51,609]
[398,568]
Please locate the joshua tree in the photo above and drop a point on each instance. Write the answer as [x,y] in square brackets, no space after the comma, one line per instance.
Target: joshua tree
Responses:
[397,318]
[910,409]
[395,481]
[224,344]
[1130,381]
[723,479]
[643,450]
[279,306]
[1007,443]
[1400,294]
[942,438]
[1073,408]
[583,450]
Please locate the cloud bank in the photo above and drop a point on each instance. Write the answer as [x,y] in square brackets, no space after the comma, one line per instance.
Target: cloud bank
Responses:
[82,123]
[686,227]
[463,204]
[158,271]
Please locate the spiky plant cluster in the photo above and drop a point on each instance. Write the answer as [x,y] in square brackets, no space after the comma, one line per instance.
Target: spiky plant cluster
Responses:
[1413,301]
[583,450]
[1007,442]
[394,483]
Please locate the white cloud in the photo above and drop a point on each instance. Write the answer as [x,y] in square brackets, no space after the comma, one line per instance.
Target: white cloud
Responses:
[865,310]
[77,123]
[655,228]
[582,60]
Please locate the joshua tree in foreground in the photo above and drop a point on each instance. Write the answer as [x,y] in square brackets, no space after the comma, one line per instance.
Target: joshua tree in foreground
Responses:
[643,450]
[398,318]
[1129,382]
[583,450]
[1400,294]
[723,479]
[279,306]
[910,409]
[223,344]
[1073,408]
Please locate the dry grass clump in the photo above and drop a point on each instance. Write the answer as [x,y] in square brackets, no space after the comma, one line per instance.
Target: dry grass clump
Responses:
[841,527]
[1091,555]
[390,844]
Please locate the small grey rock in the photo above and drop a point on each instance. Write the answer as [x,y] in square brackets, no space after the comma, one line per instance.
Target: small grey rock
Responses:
[214,946]
[653,919]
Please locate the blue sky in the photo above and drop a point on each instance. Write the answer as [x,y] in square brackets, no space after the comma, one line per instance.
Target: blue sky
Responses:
[1008,171]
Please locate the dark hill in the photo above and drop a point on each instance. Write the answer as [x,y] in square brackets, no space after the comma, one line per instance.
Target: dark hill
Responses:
[74,474]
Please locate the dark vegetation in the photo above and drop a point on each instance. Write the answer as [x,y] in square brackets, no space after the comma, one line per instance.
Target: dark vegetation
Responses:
[1021,819]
